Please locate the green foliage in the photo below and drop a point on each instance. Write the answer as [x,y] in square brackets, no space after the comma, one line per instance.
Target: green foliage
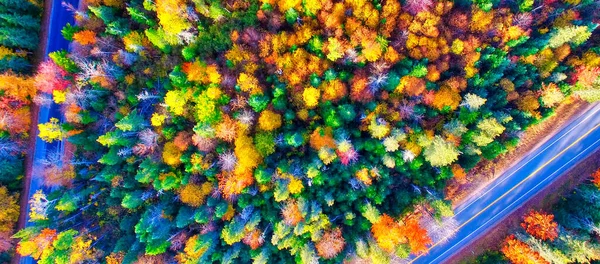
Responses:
[62,60]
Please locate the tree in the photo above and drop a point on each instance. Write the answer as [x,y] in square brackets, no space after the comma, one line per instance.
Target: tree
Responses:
[9,210]
[171,17]
[440,152]
[520,253]
[473,101]
[331,244]
[50,77]
[573,34]
[416,235]
[85,37]
[540,225]
[51,131]
[387,233]
[18,38]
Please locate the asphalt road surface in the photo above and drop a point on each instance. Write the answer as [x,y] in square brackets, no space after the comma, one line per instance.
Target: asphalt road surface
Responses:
[59,17]
[573,143]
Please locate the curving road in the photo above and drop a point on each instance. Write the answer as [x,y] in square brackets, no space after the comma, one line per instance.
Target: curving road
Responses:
[59,17]
[573,143]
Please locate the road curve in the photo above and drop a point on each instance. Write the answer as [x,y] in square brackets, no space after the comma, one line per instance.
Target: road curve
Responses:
[59,17]
[534,172]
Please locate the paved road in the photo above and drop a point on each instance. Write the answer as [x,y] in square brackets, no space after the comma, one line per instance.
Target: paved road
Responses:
[571,144]
[59,17]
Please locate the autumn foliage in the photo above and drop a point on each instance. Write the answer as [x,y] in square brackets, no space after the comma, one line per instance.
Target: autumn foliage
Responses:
[292,131]
[520,253]
[540,225]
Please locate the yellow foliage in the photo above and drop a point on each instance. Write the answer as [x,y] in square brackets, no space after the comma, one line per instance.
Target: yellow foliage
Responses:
[284,5]
[9,210]
[229,213]
[175,100]
[363,176]
[191,252]
[379,130]
[51,131]
[7,52]
[334,49]
[59,97]
[171,154]
[213,93]
[194,194]
[248,157]
[311,97]
[481,20]
[171,16]
[371,50]
[269,120]
[81,252]
[249,83]
[157,119]
[295,186]
[457,46]
[134,41]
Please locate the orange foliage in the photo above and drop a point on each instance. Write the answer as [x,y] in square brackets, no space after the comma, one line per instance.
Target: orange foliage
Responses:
[227,129]
[446,97]
[331,244]
[291,214]
[202,73]
[416,235]
[459,173]
[387,233]
[596,178]
[520,253]
[333,90]
[411,85]
[17,86]
[85,37]
[540,225]
[322,137]
[183,140]
[254,239]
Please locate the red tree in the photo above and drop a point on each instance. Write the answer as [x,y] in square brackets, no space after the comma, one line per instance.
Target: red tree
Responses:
[540,225]
[596,178]
[50,77]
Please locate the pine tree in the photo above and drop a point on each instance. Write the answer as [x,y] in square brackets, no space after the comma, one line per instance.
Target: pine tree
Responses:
[18,38]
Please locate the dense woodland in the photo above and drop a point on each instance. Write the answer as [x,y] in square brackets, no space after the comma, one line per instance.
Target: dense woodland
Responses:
[290,131]
[570,235]
[19,28]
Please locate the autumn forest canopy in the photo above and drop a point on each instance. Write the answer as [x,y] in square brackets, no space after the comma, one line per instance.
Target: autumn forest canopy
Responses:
[289,131]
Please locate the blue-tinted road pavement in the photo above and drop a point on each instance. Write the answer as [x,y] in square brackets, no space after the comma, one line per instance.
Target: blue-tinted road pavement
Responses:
[573,143]
[59,17]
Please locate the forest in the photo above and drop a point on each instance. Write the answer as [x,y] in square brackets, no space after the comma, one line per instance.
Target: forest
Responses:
[19,27]
[568,235]
[289,131]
